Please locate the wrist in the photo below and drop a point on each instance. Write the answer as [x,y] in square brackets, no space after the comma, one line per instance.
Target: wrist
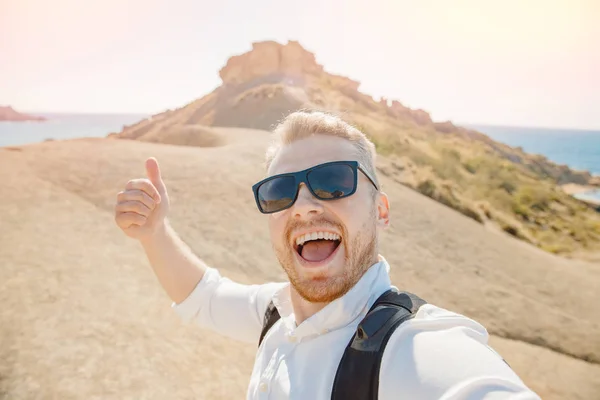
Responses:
[158,234]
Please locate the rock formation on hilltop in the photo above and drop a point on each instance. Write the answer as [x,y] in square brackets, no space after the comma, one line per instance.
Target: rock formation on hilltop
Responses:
[7,113]
[270,59]
[263,85]
[461,168]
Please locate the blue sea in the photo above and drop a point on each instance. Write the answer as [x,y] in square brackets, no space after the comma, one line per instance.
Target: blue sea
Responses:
[579,149]
[64,126]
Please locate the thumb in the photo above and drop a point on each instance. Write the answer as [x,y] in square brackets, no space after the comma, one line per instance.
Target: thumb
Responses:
[153,173]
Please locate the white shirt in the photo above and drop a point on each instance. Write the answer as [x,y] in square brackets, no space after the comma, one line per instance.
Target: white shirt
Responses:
[436,355]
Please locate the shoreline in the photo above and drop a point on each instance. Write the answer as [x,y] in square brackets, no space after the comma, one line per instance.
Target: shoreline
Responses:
[575,188]
[592,201]
[585,193]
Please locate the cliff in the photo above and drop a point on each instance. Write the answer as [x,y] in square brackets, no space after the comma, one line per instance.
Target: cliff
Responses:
[7,113]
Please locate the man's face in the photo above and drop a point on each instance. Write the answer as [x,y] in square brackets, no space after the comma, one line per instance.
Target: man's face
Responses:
[323,270]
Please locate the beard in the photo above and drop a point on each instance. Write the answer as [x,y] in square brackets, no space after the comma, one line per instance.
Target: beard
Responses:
[359,252]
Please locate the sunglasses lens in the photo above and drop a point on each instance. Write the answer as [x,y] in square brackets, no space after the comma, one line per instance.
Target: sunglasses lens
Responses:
[332,181]
[277,194]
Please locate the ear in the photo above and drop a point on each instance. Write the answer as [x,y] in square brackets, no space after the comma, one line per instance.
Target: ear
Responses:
[383,210]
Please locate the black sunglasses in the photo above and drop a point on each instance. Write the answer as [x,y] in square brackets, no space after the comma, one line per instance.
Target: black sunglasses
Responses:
[329,181]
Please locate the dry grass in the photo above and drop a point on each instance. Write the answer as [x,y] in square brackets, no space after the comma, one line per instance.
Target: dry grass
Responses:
[463,173]
[83,317]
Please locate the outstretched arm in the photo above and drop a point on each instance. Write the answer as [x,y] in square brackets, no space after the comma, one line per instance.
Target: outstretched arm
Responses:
[443,355]
[198,292]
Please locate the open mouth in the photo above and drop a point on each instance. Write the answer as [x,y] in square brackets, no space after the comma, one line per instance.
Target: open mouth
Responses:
[317,246]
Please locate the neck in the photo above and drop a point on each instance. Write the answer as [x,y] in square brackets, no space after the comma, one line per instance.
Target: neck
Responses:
[304,309]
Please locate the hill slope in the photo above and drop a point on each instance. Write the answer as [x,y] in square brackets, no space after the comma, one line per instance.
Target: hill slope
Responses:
[488,181]
[83,316]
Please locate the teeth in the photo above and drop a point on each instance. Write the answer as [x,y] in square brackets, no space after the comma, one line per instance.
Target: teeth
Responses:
[316,235]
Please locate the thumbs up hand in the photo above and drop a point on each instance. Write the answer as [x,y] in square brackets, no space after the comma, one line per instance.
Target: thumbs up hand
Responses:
[142,207]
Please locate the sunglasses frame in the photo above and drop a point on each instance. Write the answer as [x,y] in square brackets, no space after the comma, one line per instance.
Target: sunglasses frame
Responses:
[302,177]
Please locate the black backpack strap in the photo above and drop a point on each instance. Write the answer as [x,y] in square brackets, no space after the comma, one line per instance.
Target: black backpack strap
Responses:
[271,316]
[357,377]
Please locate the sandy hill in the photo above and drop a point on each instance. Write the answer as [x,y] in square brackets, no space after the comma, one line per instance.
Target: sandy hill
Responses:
[83,316]
[488,181]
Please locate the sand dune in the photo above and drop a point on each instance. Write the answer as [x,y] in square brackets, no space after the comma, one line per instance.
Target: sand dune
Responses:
[83,316]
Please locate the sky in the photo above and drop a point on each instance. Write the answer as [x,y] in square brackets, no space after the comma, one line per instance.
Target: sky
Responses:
[523,63]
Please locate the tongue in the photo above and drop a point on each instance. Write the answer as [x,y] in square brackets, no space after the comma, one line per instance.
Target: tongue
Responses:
[317,250]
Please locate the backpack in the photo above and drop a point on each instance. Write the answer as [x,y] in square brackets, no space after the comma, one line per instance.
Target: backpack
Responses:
[357,375]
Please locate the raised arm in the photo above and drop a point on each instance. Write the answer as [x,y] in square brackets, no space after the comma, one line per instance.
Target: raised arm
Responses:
[141,212]
[198,292]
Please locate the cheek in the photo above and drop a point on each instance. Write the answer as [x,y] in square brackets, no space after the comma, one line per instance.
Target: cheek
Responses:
[353,207]
[277,227]
[354,212]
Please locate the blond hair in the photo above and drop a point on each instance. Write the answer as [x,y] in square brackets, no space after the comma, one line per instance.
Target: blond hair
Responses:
[302,124]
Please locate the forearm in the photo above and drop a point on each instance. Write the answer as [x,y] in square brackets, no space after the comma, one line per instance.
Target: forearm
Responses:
[177,268]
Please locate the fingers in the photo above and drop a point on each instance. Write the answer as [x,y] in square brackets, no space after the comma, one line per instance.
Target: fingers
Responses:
[126,219]
[153,173]
[136,195]
[139,199]
[133,206]
[145,186]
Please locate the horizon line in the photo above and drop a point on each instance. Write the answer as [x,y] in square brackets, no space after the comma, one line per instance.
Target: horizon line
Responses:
[457,123]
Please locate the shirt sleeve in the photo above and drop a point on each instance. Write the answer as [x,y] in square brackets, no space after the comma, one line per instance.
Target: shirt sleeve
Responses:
[226,307]
[446,356]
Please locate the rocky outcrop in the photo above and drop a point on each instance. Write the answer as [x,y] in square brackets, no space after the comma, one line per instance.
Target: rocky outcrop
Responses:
[445,127]
[343,83]
[421,117]
[398,110]
[7,113]
[270,58]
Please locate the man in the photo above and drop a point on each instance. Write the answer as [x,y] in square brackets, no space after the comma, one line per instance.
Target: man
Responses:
[325,211]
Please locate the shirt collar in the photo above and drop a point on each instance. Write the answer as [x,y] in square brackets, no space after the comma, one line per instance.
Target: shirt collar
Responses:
[342,311]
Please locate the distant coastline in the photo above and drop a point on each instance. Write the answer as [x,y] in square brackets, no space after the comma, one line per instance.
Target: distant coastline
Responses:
[580,152]
[577,148]
[530,128]
[591,197]
[63,126]
[588,194]
[7,113]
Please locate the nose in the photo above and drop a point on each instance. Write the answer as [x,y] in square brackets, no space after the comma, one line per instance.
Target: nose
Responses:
[306,205]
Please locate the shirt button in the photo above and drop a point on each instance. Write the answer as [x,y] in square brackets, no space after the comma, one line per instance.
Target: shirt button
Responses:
[292,339]
[263,387]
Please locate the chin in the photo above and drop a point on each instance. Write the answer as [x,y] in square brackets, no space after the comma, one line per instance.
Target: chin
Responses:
[321,281]
[322,289]
[328,279]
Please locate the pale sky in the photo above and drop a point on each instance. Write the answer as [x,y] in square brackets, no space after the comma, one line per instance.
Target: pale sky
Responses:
[511,62]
